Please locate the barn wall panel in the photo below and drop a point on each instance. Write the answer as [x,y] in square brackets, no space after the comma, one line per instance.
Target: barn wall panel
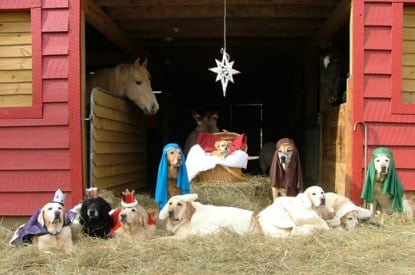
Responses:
[379,110]
[36,154]
[378,14]
[46,159]
[27,202]
[35,137]
[377,85]
[34,181]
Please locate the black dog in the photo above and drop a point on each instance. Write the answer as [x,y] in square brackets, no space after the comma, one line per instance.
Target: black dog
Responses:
[95,218]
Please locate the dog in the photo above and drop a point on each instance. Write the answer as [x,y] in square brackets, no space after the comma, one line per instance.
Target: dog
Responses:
[383,187]
[223,148]
[286,172]
[133,221]
[347,214]
[172,178]
[186,217]
[52,217]
[294,216]
[94,216]
[48,228]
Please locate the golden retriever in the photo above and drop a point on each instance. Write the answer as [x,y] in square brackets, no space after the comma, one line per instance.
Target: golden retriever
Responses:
[136,223]
[293,216]
[223,148]
[186,217]
[53,216]
[347,214]
[174,158]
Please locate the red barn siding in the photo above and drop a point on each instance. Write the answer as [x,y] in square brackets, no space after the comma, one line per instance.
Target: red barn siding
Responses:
[39,155]
[377,74]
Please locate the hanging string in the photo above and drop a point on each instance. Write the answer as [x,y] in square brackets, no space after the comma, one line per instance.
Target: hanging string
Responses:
[224,26]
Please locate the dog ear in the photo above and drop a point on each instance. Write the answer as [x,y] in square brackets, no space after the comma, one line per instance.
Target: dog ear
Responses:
[305,200]
[217,143]
[41,218]
[189,197]
[164,213]
[190,210]
[83,216]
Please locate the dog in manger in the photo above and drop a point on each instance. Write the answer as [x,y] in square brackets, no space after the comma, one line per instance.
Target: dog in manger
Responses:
[286,172]
[186,217]
[172,178]
[94,215]
[132,221]
[383,187]
[293,216]
[347,214]
[223,148]
[48,228]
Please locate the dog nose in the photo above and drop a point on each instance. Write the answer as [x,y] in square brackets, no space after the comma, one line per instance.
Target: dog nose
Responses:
[283,159]
[123,217]
[57,214]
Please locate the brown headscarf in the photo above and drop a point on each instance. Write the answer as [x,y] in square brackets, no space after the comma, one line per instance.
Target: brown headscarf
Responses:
[292,179]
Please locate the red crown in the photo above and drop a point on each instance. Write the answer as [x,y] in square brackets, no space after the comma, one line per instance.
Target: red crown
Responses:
[128,199]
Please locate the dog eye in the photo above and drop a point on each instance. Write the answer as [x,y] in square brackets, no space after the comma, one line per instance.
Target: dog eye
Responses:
[50,208]
[313,194]
[179,204]
[138,82]
[133,210]
[60,208]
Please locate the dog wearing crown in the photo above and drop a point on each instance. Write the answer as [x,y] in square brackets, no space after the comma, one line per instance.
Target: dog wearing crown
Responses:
[48,228]
[133,221]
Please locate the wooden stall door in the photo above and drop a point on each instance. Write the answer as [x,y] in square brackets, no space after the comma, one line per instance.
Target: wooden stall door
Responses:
[118,144]
[333,149]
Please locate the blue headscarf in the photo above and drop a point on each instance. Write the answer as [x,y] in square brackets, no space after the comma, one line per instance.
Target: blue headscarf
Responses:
[162,176]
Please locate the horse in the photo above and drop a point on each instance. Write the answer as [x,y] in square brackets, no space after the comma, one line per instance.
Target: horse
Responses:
[206,123]
[127,80]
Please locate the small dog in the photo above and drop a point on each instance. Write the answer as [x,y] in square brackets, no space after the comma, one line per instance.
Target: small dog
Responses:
[293,216]
[286,172]
[133,221]
[94,216]
[223,148]
[186,217]
[383,187]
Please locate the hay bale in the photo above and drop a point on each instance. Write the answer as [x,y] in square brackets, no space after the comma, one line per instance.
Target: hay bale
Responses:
[254,193]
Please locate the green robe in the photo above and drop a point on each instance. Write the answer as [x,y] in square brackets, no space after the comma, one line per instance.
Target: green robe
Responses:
[392,184]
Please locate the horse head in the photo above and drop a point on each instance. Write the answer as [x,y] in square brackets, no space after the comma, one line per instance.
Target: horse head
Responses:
[205,123]
[135,79]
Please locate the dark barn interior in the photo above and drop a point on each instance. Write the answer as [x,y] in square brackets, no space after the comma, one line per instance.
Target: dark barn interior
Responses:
[276,45]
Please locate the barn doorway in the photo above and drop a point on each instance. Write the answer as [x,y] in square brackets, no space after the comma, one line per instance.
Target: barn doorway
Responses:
[281,71]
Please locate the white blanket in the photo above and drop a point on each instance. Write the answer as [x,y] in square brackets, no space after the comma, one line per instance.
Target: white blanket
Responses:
[198,161]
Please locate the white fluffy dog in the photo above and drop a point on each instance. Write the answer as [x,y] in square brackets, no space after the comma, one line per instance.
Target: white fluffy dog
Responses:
[187,217]
[293,216]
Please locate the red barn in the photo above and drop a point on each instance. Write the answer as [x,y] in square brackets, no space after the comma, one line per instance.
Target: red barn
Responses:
[47,46]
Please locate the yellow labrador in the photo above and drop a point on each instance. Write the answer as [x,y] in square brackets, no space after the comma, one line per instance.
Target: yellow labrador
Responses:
[293,216]
[347,214]
[136,222]
[52,216]
[186,217]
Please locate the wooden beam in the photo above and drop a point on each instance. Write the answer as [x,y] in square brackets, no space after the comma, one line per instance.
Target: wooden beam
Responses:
[338,18]
[216,11]
[100,21]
